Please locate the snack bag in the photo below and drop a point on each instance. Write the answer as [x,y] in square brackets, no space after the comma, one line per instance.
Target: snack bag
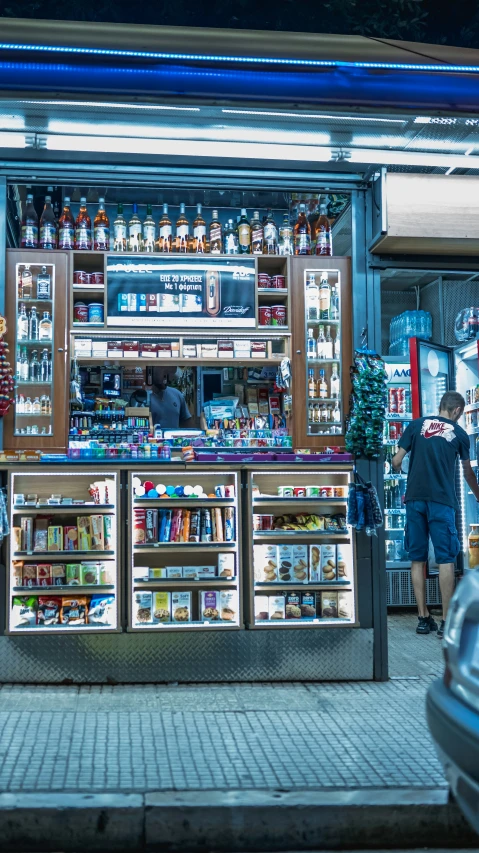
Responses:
[101,610]
[49,608]
[74,611]
[24,611]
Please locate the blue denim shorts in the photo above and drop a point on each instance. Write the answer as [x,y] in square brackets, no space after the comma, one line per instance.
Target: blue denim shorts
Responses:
[426,519]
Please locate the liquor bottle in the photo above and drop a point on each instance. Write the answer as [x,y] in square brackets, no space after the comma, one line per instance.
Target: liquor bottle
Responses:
[22,365]
[336,413]
[388,467]
[36,406]
[182,231]
[312,298]
[316,413]
[20,404]
[22,324]
[66,227]
[101,229]
[334,312]
[244,234]
[83,227]
[134,231]
[286,242]
[29,225]
[199,232]
[257,234]
[312,388]
[270,235]
[28,406]
[34,367]
[337,345]
[164,232]
[231,245]
[26,282]
[324,297]
[323,233]
[311,344]
[44,284]
[148,233]
[328,343]
[321,342]
[119,231]
[46,406]
[311,413]
[322,386]
[44,367]
[216,236]
[335,384]
[48,226]
[45,327]
[324,414]
[302,233]
[33,325]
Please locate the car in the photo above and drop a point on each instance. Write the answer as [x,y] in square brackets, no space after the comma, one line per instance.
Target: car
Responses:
[452,703]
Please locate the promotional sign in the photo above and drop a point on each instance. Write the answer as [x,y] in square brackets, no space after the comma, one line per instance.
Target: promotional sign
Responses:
[166,291]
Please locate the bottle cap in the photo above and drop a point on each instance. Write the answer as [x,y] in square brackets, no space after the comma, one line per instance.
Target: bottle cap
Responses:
[83,199]
[101,202]
[165,208]
[198,208]
[48,198]
[215,214]
[243,211]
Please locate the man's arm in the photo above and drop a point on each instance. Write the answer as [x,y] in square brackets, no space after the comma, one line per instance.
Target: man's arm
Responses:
[470,478]
[398,458]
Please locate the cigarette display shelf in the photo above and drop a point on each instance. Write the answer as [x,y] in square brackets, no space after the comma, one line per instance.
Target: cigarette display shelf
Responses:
[25,617]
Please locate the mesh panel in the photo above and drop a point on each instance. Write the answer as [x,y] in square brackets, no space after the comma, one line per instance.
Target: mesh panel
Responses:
[457,295]
[400,592]
[393,302]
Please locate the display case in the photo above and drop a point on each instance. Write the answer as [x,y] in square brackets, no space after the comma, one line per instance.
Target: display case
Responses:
[432,374]
[466,359]
[398,415]
[322,349]
[63,552]
[36,301]
[301,551]
[184,543]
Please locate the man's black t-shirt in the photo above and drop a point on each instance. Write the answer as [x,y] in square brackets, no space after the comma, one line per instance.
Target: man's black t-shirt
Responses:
[434,444]
[168,408]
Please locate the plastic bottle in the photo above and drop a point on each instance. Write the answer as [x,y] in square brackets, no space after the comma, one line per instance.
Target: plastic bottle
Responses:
[473,546]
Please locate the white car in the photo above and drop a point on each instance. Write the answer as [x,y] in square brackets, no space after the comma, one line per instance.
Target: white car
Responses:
[453,702]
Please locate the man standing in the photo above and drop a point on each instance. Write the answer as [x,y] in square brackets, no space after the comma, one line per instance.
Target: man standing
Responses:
[167,405]
[434,444]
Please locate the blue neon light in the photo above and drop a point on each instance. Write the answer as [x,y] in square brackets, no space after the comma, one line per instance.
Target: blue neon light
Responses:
[264,60]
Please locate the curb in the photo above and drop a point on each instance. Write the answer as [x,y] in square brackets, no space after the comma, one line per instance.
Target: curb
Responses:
[225,821]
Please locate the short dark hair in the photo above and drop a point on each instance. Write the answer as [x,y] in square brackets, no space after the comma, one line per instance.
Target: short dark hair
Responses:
[451,400]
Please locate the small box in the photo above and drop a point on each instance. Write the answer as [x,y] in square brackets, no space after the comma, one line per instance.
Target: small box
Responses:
[152,302]
[27,535]
[314,563]
[44,574]
[89,574]
[344,562]
[70,537]
[58,574]
[209,350]
[229,605]
[345,605]
[225,349]
[131,349]
[206,573]
[181,607]
[190,573]
[17,573]
[285,560]
[108,532]
[163,350]
[97,534]
[115,349]
[161,608]
[261,608]
[72,571]
[258,349]
[226,566]
[83,348]
[99,348]
[263,403]
[300,563]
[328,562]
[148,350]
[143,606]
[209,606]
[84,533]
[29,575]
[189,351]
[266,563]
[329,605]
[175,349]
[154,574]
[293,609]
[308,605]
[277,607]
[174,572]
[151,522]
[55,538]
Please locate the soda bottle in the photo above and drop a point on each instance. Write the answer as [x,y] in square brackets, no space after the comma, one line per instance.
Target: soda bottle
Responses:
[66,227]
[29,225]
[83,227]
[48,226]
[101,229]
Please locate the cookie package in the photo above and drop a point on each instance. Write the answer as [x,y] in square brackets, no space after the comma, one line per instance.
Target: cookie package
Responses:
[181,606]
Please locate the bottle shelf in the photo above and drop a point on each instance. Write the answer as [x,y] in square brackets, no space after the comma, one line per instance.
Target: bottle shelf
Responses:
[32,415]
[33,382]
[390,416]
[37,342]
[324,400]
[323,322]
[323,360]
[30,300]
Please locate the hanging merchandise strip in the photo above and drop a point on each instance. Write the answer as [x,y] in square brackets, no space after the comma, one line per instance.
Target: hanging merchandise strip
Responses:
[7,384]
[364,433]
[364,509]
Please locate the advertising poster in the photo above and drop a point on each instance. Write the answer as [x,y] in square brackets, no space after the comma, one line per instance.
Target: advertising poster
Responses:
[183,292]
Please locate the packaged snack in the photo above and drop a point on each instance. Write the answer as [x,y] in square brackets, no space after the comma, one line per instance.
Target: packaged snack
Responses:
[181,606]
[226,566]
[164,525]
[24,611]
[106,574]
[101,610]
[29,575]
[161,607]
[300,563]
[328,562]
[72,571]
[89,573]
[151,525]
[285,560]
[293,609]
[345,605]
[70,537]
[16,536]
[48,612]
[139,527]
[44,574]
[26,523]
[96,532]
[344,562]
[265,563]
[190,573]
[17,573]
[84,533]
[329,605]
[308,605]
[58,574]
[143,608]
[206,573]
[154,574]
[55,538]
[314,563]
[228,605]
[174,572]
[74,611]
[229,532]
[277,607]
[209,606]
[108,532]
[261,608]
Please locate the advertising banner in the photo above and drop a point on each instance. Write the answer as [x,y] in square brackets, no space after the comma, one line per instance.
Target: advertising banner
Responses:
[185,292]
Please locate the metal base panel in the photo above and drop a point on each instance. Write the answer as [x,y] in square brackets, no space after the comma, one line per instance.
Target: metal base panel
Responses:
[400,591]
[317,655]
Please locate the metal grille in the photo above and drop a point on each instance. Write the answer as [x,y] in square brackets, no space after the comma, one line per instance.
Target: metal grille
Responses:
[400,592]
[457,295]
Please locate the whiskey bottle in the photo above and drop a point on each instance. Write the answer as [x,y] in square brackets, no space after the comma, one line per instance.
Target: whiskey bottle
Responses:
[164,231]
[22,365]
[44,367]
[321,343]
[33,325]
[101,229]
[324,297]
[216,237]
[119,231]
[335,385]
[286,242]
[48,226]
[336,413]
[257,234]
[311,344]
[337,345]
[323,233]
[28,406]
[134,231]
[312,387]
[270,235]
[34,368]
[334,313]
[149,230]
[29,238]
[302,233]
[36,406]
[83,227]
[231,239]
[322,386]
[312,298]
[26,282]
[328,343]
[199,232]
[45,327]
[44,284]
[324,414]
[66,227]
[182,231]
[244,234]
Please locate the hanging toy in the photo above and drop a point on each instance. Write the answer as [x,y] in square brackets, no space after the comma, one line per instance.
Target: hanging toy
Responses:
[364,433]
[7,383]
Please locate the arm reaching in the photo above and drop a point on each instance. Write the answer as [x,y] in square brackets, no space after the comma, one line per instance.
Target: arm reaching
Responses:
[470,478]
[398,458]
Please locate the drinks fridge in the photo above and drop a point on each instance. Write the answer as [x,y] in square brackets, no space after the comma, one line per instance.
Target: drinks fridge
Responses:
[398,415]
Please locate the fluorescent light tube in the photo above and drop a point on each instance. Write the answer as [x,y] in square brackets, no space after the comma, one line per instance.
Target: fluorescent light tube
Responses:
[12,140]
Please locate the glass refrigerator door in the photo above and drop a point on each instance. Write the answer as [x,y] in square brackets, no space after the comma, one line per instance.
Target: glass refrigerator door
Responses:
[431,375]
[398,415]
[467,383]
[34,318]
[322,300]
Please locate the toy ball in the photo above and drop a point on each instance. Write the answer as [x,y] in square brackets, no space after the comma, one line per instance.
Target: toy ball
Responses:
[152,493]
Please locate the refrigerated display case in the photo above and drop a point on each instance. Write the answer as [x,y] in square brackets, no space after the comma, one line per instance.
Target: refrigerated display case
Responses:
[466,364]
[398,415]
[432,374]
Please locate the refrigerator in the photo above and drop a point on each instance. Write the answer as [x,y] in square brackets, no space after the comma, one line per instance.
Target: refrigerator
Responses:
[398,415]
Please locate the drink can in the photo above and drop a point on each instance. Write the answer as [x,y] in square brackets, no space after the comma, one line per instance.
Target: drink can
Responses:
[299,491]
[97,278]
[265,315]
[398,549]
[288,491]
[229,491]
[401,401]
[267,522]
[278,315]
[393,432]
[312,491]
[393,402]
[81,277]
[264,280]
[80,312]
[278,281]
[390,549]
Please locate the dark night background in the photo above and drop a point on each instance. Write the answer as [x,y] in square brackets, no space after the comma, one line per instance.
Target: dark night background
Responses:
[439,21]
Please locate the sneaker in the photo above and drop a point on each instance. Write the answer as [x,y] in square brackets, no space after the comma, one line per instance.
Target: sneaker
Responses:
[440,630]
[425,625]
